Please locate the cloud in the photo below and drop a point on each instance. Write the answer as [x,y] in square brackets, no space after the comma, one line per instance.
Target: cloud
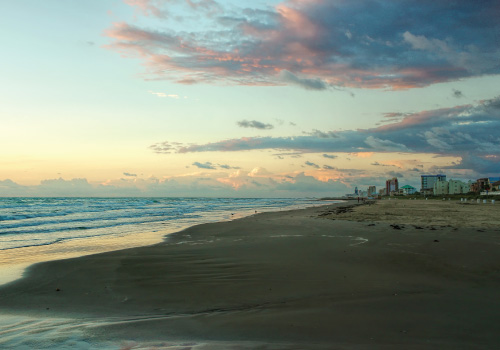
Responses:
[258,182]
[457,93]
[211,166]
[420,42]
[163,95]
[330,156]
[259,172]
[52,188]
[209,6]
[321,134]
[486,165]
[379,164]
[288,154]
[393,117]
[206,165]
[316,166]
[148,7]
[254,124]
[385,145]
[165,147]
[306,83]
[225,166]
[461,131]
[129,174]
[313,44]
[395,174]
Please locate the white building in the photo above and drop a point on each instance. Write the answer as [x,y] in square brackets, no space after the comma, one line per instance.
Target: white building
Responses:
[450,187]
[458,187]
[440,187]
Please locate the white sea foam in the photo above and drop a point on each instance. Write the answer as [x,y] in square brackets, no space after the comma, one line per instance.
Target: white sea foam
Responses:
[28,222]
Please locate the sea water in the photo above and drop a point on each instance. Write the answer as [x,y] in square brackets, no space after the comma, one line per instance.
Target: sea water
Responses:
[27,222]
[40,229]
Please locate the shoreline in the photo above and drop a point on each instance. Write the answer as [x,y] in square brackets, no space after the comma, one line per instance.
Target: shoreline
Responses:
[294,277]
[14,262]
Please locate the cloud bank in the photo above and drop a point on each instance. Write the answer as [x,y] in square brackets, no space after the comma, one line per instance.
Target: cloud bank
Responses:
[314,44]
[256,183]
[466,131]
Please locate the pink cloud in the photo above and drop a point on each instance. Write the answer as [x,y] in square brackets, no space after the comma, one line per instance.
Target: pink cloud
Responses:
[341,43]
[423,118]
[146,7]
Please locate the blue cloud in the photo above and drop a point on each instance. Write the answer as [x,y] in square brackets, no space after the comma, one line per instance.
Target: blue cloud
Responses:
[211,166]
[316,166]
[330,156]
[467,131]
[206,165]
[317,44]
[254,124]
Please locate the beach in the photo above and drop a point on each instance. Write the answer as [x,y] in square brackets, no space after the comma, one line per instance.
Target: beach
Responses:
[410,274]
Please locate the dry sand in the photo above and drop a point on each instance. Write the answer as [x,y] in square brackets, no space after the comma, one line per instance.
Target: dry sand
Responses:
[290,280]
[426,213]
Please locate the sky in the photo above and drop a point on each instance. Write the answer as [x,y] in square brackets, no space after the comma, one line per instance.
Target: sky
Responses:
[277,98]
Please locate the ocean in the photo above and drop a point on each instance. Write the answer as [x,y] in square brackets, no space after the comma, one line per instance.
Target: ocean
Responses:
[31,222]
[40,229]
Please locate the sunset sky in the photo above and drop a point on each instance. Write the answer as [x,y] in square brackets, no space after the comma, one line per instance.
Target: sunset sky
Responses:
[245,98]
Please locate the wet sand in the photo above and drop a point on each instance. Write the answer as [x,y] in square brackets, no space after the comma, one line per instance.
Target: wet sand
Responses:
[318,278]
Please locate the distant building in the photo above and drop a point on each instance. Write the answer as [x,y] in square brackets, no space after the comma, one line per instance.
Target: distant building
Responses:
[495,186]
[482,185]
[458,187]
[440,187]
[357,193]
[427,185]
[391,186]
[382,192]
[372,191]
[407,190]
[451,187]
[474,187]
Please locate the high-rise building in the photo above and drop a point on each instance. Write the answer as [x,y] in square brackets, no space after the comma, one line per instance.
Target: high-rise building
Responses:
[429,180]
[391,186]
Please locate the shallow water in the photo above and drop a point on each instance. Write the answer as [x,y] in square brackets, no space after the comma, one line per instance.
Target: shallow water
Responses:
[41,229]
[26,222]
[27,333]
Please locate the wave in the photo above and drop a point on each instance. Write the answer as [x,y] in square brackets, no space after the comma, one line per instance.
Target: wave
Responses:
[42,221]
